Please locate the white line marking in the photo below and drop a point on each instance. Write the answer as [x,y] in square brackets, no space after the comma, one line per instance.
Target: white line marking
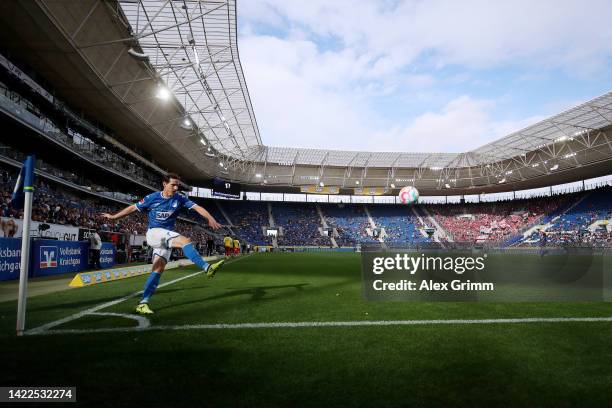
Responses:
[358,323]
[142,321]
[48,326]
[78,315]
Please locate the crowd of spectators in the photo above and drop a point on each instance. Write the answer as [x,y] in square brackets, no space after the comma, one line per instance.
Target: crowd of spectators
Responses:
[249,220]
[301,224]
[399,223]
[597,238]
[79,181]
[588,222]
[350,221]
[58,205]
[492,222]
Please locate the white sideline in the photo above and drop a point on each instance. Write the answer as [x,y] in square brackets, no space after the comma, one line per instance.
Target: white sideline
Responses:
[357,323]
[48,326]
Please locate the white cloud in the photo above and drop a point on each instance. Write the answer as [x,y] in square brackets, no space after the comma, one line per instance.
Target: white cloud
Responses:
[463,124]
[478,33]
[296,97]
[302,98]
[462,120]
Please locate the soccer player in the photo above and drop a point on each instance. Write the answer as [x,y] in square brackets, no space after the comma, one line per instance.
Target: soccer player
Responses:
[236,247]
[227,243]
[163,208]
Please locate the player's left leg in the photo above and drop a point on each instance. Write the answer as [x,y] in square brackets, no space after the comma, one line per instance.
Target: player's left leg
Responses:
[159,264]
[191,253]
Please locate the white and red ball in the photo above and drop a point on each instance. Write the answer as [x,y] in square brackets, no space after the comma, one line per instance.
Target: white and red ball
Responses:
[409,195]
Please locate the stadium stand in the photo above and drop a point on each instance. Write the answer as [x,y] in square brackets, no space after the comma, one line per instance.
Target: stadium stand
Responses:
[248,220]
[492,222]
[58,204]
[350,222]
[587,221]
[14,157]
[213,208]
[570,219]
[72,139]
[399,223]
[300,224]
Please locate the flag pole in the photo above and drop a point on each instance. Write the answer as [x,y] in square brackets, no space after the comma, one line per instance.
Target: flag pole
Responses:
[28,189]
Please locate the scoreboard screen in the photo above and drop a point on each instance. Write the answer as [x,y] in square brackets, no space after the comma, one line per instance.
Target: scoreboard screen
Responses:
[222,188]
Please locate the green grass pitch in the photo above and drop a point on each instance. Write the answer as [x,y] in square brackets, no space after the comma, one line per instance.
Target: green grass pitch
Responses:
[520,364]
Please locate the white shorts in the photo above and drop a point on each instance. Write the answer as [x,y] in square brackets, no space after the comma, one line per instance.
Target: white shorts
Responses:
[159,239]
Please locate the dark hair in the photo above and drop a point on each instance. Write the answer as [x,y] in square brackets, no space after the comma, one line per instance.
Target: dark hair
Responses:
[167,177]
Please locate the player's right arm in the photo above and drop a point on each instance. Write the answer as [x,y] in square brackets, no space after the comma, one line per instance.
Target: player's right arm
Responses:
[126,211]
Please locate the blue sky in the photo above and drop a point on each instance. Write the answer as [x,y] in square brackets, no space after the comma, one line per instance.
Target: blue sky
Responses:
[423,76]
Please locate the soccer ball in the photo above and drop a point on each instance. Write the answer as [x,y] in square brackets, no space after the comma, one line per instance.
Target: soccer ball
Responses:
[409,195]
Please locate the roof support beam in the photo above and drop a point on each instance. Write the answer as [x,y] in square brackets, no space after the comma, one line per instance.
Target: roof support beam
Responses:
[144,35]
[78,29]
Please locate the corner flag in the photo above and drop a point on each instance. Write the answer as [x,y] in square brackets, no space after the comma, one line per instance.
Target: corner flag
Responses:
[24,190]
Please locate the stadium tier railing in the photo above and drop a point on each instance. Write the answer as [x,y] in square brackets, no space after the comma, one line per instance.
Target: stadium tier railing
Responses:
[99,156]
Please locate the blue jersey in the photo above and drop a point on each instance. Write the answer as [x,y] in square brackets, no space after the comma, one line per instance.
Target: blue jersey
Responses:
[163,211]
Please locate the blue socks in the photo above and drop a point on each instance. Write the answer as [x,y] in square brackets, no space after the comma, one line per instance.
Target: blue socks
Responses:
[191,253]
[150,286]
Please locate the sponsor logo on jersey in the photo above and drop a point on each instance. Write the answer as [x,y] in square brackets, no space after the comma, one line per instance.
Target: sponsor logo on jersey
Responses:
[163,215]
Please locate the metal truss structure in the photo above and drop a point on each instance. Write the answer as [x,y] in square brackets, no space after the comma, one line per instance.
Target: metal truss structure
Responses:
[192,45]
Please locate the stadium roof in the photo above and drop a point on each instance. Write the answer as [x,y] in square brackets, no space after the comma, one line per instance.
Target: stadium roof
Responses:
[193,47]
[109,59]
